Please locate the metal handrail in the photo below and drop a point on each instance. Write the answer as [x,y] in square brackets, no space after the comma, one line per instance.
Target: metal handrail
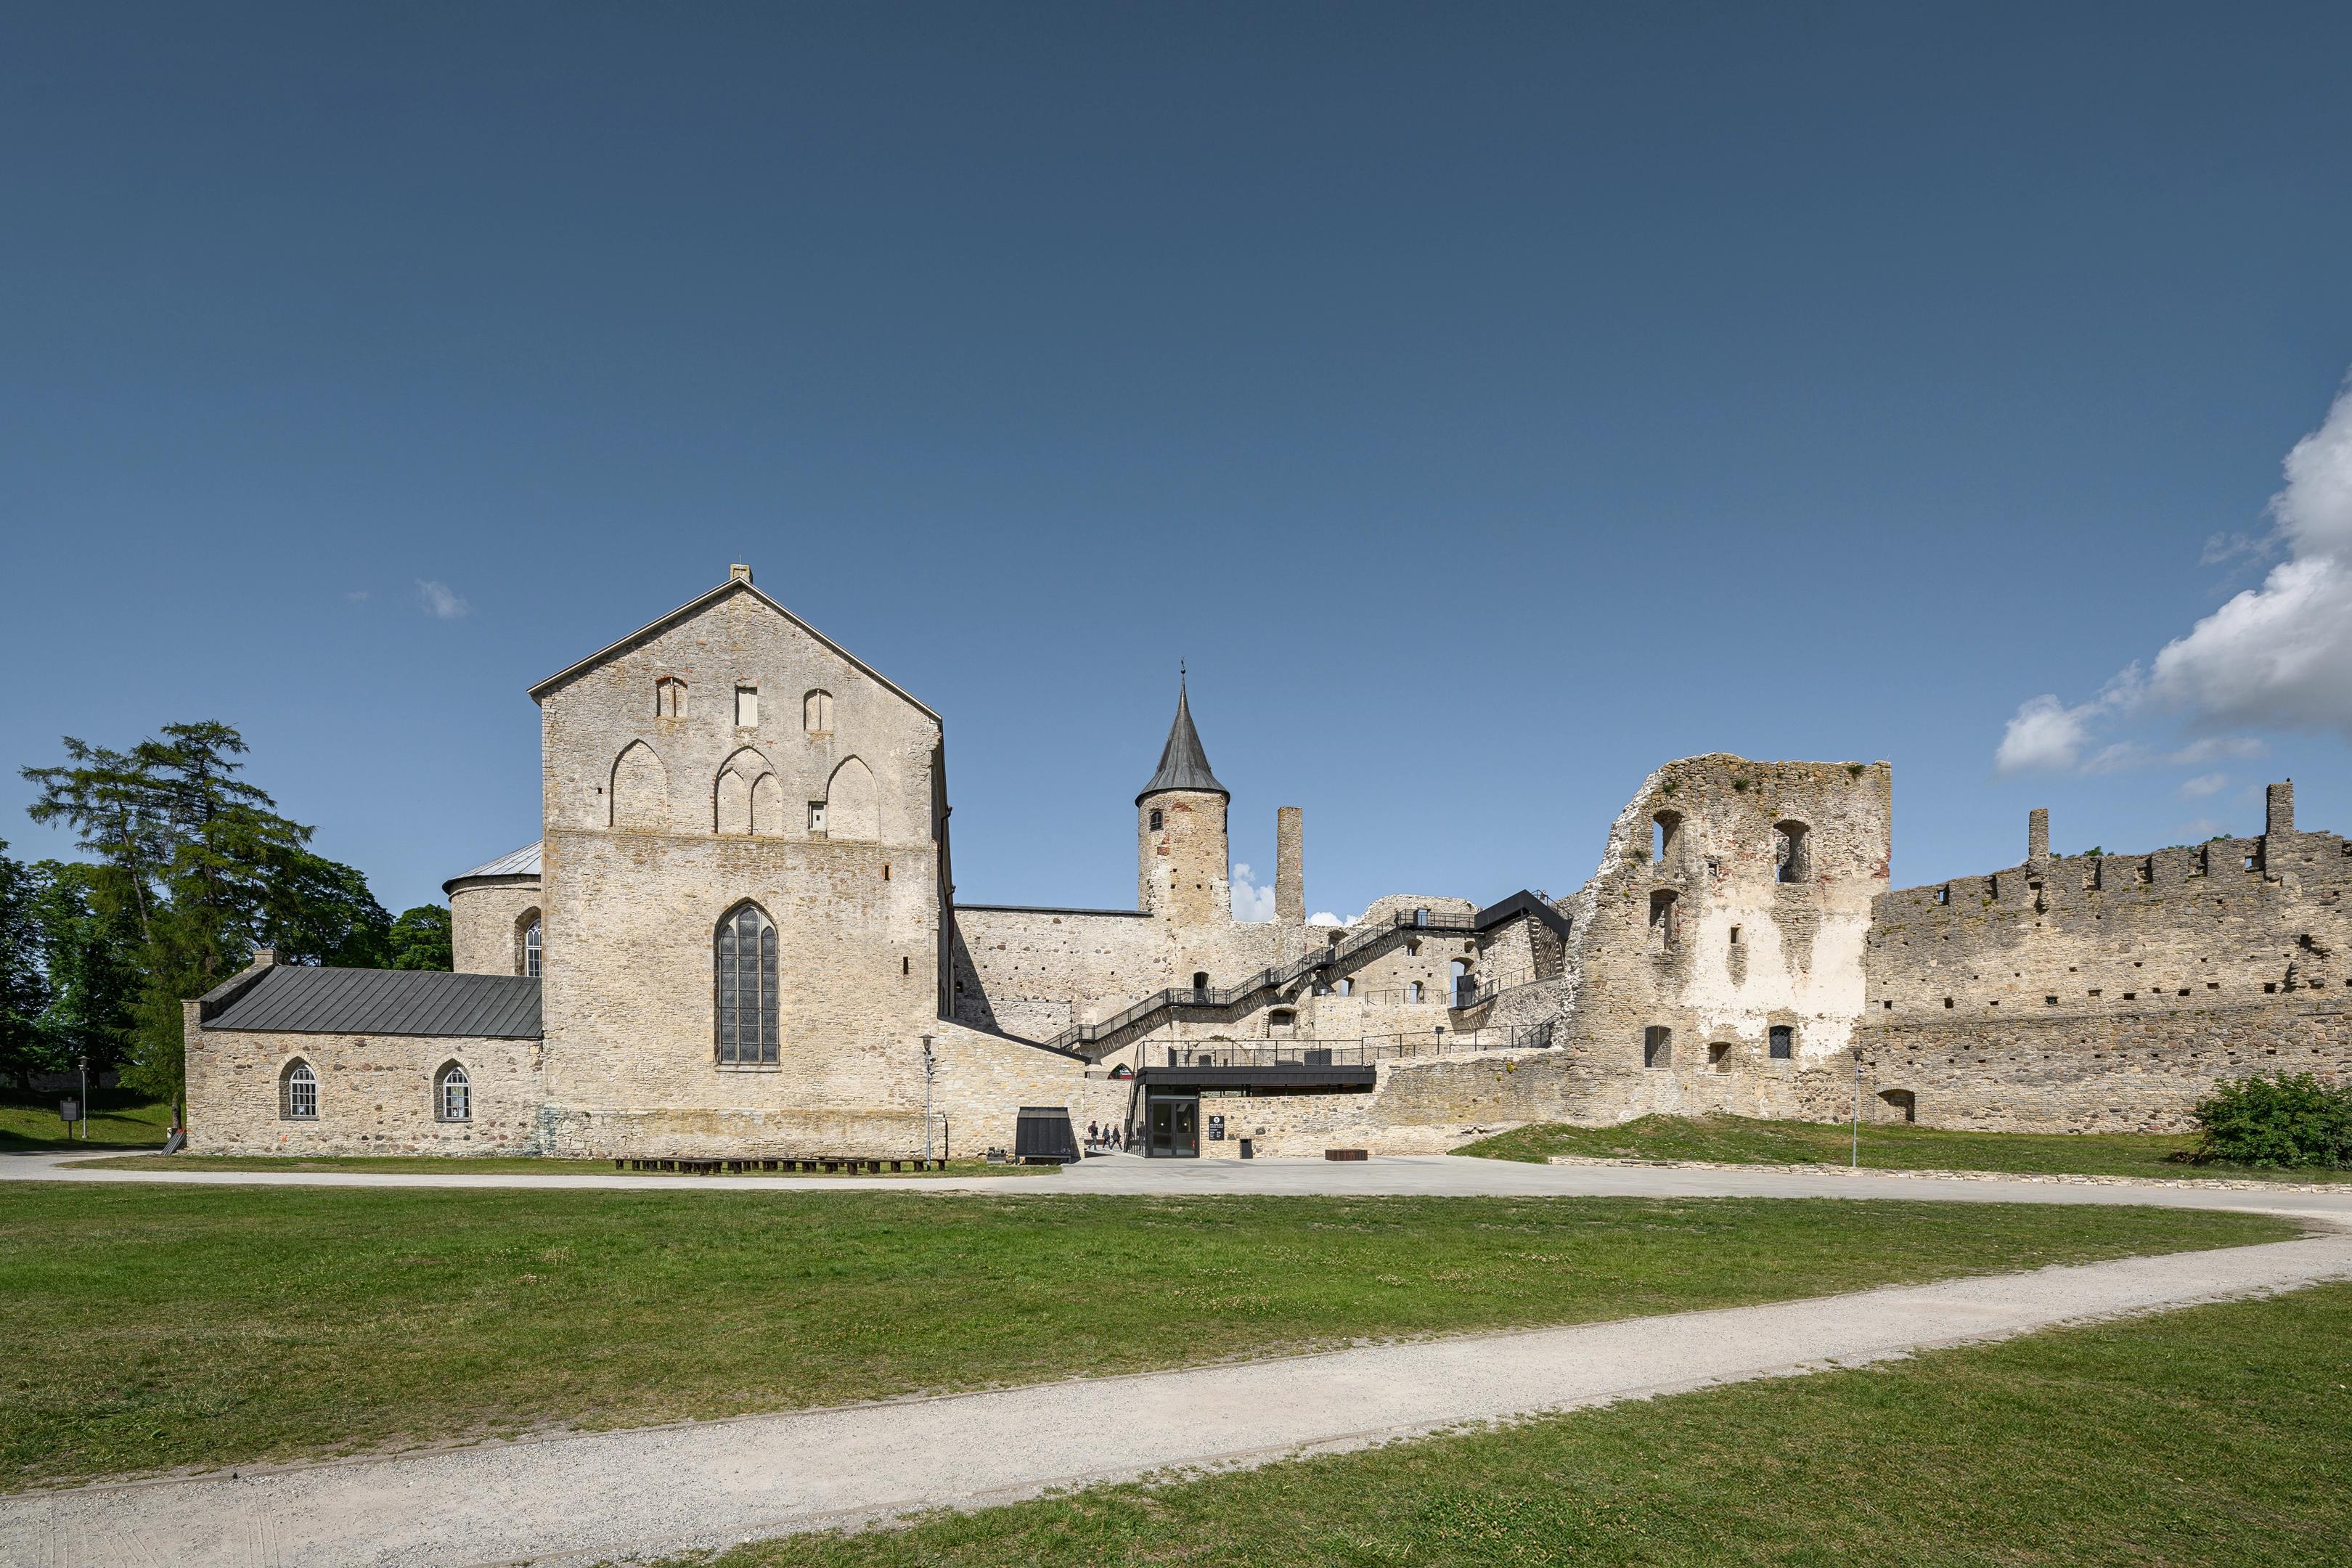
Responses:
[1366,1051]
[1274,978]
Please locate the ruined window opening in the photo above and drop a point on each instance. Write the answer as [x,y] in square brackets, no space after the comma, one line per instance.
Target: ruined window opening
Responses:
[1413,991]
[669,697]
[1735,936]
[1657,1047]
[747,706]
[1665,922]
[1280,1022]
[1719,1057]
[816,712]
[1155,819]
[1947,1001]
[2250,862]
[1664,828]
[453,1095]
[1464,983]
[298,1094]
[1420,917]
[744,980]
[1791,851]
[1344,988]
[1200,980]
[2052,1001]
[1944,894]
[1783,1038]
[1902,1101]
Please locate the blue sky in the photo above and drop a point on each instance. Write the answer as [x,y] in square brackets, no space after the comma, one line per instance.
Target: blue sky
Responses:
[1487,403]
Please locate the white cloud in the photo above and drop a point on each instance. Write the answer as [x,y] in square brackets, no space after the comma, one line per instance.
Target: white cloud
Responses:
[2218,749]
[2282,653]
[2045,736]
[1250,903]
[2204,784]
[2277,654]
[1325,918]
[440,601]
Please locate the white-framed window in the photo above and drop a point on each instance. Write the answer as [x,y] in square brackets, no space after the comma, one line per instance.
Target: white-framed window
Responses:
[816,816]
[527,949]
[747,706]
[453,1095]
[745,958]
[298,1093]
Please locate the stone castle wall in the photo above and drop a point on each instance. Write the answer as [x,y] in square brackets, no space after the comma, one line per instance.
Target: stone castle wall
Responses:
[2110,991]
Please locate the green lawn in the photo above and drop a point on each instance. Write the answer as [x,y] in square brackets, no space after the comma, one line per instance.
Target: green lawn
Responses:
[476,1164]
[117,1121]
[156,1326]
[2216,1437]
[1736,1139]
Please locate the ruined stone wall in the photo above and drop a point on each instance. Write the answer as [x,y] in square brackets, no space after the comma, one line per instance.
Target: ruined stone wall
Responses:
[1711,942]
[1414,1107]
[2220,922]
[486,918]
[2138,1070]
[376,1094]
[2110,991]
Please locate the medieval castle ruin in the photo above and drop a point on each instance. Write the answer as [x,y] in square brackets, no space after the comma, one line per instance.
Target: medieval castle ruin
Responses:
[739,937]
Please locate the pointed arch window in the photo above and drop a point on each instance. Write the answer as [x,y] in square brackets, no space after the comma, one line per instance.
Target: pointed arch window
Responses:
[298,1093]
[453,1094]
[745,959]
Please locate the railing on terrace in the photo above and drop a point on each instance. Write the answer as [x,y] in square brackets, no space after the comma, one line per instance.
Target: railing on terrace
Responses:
[1212,996]
[1364,1052]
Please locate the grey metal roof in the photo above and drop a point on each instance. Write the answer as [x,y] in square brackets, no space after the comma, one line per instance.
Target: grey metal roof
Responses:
[523,862]
[299,999]
[1182,763]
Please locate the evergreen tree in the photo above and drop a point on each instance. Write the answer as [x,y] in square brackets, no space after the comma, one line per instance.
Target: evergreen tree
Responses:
[420,939]
[213,870]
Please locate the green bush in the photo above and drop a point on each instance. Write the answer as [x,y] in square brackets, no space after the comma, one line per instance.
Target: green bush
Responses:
[2290,1120]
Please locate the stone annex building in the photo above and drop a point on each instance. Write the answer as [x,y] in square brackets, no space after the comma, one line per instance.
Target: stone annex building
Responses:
[737,937]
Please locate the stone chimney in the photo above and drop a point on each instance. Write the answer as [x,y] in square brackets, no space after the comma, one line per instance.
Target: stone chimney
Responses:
[2278,815]
[1290,866]
[264,958]
[2037,838]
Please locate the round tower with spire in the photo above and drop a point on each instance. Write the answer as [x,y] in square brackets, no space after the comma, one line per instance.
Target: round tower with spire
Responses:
[1183,855]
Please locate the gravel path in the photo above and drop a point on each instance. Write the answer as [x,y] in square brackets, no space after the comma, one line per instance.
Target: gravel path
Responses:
[577,1500]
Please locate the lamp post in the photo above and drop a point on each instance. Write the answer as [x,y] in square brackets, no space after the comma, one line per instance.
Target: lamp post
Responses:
[930,1066]
[82,1063]
[1857,1107]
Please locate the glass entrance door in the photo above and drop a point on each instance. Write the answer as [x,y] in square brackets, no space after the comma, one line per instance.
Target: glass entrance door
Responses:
[1175,1126]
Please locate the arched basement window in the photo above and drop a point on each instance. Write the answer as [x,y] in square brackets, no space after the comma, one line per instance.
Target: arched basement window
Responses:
[298,1093]
[744,957]
[453,1095]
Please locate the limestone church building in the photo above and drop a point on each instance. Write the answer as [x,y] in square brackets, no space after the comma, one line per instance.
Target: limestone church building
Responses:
[731,939]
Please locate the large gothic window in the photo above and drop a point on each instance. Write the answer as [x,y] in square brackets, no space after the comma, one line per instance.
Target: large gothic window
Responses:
[746,958]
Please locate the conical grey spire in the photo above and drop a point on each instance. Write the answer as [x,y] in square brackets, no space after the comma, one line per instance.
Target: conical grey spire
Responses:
[1182,763]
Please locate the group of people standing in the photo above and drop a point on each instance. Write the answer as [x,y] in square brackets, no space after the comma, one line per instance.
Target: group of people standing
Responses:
[1105,1138]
